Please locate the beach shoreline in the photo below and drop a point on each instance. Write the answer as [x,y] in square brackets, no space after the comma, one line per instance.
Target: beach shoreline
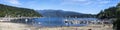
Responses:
[19,26]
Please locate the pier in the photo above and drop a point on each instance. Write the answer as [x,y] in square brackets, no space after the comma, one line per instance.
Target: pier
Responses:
[2,19]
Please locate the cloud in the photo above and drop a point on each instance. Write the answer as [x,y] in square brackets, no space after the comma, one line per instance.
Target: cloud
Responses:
[104,2]
[16,2]
[76,2]
[84,2]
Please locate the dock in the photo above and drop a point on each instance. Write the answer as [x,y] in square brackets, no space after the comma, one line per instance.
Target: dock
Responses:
[2,19]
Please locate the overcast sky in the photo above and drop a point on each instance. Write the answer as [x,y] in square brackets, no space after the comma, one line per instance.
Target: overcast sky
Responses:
[81,6]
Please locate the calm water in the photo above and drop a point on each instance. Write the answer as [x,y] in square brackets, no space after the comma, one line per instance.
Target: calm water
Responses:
[54,21]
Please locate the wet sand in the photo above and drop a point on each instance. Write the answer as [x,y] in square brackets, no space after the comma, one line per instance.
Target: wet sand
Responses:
[18,26]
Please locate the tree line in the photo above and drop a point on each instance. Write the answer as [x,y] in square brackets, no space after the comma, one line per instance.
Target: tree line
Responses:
[110,13]
[12,11]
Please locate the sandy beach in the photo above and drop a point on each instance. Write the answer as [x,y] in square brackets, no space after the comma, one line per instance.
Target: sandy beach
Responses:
[18,26]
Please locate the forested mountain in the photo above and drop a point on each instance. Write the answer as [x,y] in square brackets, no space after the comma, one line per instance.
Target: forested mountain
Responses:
[61,13]
[12,11]
[110,13]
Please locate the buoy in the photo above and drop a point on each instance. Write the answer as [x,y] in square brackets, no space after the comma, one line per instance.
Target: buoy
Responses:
[39,23]
[26,20]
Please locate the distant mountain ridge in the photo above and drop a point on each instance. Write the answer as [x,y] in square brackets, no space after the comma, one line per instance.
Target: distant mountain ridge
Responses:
[61,13]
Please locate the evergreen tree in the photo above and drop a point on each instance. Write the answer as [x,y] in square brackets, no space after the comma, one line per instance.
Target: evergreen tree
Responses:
[17,11]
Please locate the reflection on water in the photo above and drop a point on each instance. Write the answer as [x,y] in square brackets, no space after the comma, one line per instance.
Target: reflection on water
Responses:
[50,21]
